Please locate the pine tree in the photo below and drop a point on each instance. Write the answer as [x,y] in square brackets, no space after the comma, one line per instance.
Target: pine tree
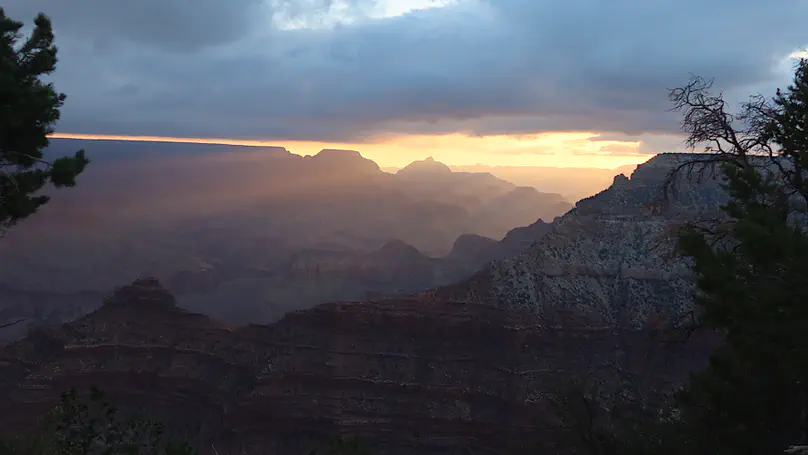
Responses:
[28,109]
[753,274]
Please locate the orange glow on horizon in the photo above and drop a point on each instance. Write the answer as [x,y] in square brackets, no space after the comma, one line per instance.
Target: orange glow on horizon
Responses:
[547,149]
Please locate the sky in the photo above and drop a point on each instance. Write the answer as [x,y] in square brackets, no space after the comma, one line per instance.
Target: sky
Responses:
[510,82]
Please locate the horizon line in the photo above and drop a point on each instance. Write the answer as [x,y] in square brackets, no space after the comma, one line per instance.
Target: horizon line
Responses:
[309,146]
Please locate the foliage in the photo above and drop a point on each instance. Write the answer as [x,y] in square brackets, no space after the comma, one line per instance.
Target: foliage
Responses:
[28,109]
[753,273]
[89,425]
[752,288]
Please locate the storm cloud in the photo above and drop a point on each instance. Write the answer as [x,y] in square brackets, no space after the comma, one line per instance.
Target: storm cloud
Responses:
[228,68]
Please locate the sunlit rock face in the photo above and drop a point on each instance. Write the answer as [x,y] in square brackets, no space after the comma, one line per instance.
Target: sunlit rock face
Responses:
[612,258]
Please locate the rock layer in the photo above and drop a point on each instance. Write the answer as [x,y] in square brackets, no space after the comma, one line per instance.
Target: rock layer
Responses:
[612,258]
[404,375]
[459,368]
[143,351]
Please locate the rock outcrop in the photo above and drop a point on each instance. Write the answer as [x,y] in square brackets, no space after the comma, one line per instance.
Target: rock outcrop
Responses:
[611,258]
[410,377]
[143,351]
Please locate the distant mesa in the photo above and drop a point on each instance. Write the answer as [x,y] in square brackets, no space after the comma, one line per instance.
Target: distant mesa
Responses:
[473,247]
[143,291]
[522,191]
[398,250]
[345,159]
[426,167]
[275,151]
[149,282]
[341,153]
[106,150]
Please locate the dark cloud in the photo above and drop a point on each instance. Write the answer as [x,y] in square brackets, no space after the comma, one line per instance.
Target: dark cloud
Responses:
[222,69]
[169,26]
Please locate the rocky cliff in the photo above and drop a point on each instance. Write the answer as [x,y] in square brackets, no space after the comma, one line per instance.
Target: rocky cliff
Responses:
[404,375]
[462,368]
[612,258]
[141,349]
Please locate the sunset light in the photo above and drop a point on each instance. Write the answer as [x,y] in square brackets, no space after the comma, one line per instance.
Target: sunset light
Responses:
[549,149]
[394,227]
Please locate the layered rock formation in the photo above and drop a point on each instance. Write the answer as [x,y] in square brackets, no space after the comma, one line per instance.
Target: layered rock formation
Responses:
[405,376]
[462,368]
[337,273]
[612,258]
[495,204]
[141,349]
[409,377]
[302,279]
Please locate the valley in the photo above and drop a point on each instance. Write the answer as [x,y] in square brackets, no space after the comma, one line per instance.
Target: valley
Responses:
[594,294]
[403,227]
[246,234]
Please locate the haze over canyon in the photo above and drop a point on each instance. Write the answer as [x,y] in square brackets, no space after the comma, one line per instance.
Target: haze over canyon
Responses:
[398,227]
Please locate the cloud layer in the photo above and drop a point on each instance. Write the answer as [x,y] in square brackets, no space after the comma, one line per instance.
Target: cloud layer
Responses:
[228,68]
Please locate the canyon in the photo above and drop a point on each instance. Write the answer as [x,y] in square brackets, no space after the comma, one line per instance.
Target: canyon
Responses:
[245,234]
[599,294]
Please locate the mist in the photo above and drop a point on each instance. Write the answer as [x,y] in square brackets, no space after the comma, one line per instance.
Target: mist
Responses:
[247,234]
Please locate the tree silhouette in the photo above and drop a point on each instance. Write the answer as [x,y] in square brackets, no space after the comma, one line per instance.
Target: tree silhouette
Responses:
[752,272]
[28,109]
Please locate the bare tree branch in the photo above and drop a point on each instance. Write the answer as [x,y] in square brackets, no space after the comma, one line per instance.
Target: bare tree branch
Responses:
[9,324]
